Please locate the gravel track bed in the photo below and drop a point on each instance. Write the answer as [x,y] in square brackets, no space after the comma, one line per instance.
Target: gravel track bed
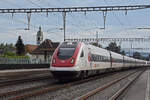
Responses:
[78,90]
[22,76]
[107,93]
[26,85]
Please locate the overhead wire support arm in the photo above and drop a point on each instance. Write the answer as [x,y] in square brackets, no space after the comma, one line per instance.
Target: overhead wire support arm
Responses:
[75,9]
[29,19]
[104,17]
[64,24]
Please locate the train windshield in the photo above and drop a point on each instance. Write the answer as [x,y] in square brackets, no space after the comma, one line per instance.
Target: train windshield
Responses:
[65,53]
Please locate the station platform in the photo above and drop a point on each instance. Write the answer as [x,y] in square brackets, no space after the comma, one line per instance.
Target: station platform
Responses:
[140,89]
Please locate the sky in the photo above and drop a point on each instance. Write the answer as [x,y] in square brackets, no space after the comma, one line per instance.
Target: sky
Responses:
[78,25]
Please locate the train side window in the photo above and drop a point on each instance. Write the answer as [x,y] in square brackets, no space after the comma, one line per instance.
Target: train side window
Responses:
[82,54]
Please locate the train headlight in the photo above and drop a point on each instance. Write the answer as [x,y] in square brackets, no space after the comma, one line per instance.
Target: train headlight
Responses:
[72,61]
[54,61]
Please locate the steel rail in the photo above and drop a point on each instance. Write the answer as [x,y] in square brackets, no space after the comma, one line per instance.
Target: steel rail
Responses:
[119,92]
[12,82]
[56,87]
[91,93]
[24,90]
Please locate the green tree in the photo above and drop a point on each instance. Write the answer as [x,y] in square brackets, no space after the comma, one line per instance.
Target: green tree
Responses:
[11,45]
[20,48]
[137,55]
[113,47]
[2,45]
[96,44]
[123,53]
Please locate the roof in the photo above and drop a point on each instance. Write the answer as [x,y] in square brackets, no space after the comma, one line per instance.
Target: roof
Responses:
[46,45]
[29,48]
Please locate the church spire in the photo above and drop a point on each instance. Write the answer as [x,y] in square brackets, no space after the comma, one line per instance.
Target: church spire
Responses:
[39,36]
[39,28]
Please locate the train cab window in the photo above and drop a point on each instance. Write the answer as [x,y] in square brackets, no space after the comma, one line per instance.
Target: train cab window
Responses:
[82,54]
[65,53]
[66,50]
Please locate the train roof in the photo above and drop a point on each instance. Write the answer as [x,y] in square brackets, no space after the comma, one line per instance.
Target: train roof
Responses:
[115,55]
[96,50]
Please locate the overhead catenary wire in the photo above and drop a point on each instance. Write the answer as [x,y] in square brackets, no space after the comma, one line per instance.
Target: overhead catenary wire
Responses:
[76,19]
[20,21]
[115,15]
[29,14]
[35,4]
[11,3]
[121,23]
[17,20]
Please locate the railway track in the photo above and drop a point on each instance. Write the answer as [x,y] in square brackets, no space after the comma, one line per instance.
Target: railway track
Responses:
[18,81]
[117,93]
[41,89]
[120,91]
[21,91]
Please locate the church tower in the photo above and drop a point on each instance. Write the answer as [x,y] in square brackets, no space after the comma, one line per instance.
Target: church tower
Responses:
[39,36]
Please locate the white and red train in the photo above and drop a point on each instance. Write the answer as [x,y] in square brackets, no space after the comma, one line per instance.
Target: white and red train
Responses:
[79,60]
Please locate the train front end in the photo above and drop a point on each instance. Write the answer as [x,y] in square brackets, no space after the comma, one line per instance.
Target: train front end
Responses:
[64,59]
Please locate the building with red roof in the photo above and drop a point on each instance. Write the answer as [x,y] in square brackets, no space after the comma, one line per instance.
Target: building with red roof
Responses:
[45,50]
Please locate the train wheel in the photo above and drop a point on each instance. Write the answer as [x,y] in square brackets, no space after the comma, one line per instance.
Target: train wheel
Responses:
[83,75]
[61,80]
[86,74]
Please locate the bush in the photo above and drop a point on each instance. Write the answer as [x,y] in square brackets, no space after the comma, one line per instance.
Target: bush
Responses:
[8,53]
[10,56]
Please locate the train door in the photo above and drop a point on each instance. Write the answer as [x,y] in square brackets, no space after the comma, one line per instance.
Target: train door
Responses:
[89,58]
[111,60]
[123,61]
[82,59]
